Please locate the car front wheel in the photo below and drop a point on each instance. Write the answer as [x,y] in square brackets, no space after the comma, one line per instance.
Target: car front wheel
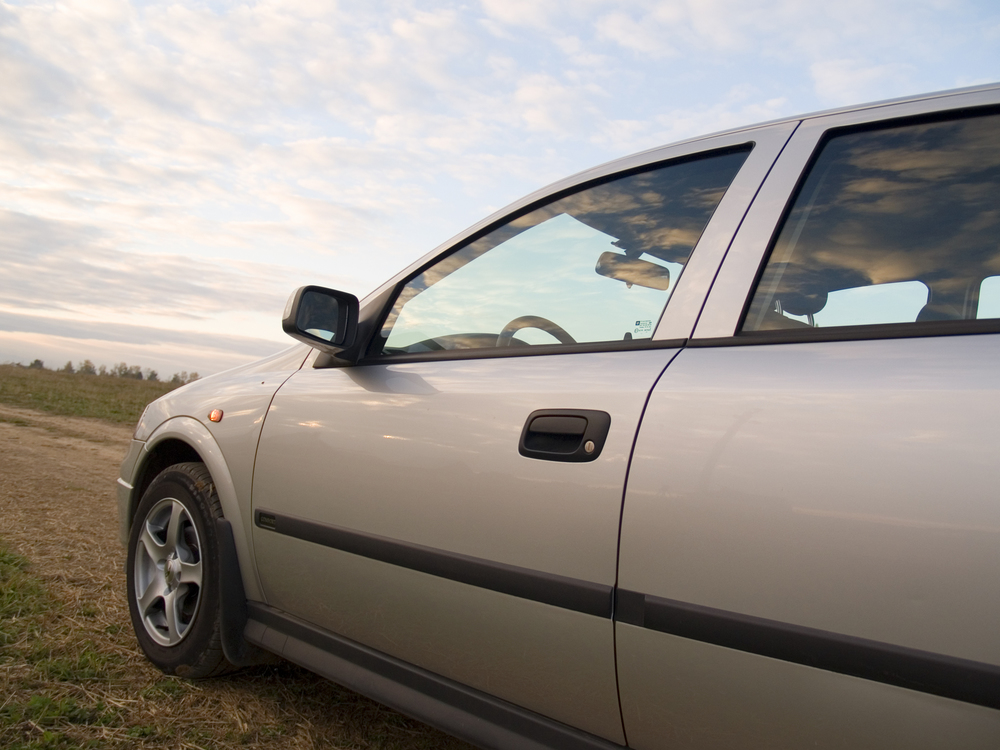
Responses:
[172,572]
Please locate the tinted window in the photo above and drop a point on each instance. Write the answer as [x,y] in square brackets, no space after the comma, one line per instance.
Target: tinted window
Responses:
[597,265]
[895,225]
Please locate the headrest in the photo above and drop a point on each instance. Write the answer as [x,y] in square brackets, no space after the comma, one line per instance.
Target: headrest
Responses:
[802,304]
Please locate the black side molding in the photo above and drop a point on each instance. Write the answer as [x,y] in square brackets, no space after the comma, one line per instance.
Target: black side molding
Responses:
[471,715]
[559,591]
[937,674]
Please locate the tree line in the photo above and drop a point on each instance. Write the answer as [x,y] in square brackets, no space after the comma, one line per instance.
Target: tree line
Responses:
[121,370]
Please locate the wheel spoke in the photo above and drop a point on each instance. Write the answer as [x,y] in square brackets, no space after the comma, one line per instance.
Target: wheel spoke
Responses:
[155,590]
[170,602]
[191,573]
[175,526]
[154,549]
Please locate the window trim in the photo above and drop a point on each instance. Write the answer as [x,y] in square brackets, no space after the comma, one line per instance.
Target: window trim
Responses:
[529,350]
[927,329]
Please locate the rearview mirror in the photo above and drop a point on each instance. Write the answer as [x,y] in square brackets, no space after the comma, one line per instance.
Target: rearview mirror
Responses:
[323,318]
[633,271]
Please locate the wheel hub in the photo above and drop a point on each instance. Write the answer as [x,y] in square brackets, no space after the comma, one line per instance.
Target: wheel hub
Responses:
[172,571]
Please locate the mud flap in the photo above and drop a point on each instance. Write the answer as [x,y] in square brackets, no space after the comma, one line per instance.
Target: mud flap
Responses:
[233,604]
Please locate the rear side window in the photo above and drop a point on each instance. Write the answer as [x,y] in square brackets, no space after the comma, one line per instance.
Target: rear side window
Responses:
[895,225]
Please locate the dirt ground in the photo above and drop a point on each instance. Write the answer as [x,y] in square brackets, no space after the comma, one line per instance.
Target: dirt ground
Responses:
[57,508]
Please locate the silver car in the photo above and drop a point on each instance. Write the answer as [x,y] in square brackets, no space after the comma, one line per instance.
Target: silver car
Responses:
[696,449]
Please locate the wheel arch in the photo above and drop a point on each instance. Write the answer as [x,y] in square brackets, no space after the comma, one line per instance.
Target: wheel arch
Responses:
[166,453]
[186,439]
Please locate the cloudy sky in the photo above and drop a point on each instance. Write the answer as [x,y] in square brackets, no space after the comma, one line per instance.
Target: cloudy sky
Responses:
[170,171]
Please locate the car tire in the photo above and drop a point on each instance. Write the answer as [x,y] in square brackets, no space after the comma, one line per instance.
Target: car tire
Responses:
[173,573]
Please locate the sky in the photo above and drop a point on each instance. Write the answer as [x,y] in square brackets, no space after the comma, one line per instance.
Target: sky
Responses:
[170,172]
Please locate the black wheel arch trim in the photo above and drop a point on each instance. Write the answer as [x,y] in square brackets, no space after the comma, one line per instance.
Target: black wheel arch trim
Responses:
[464,712]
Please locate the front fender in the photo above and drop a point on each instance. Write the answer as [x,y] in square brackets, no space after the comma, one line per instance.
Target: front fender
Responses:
[234,509]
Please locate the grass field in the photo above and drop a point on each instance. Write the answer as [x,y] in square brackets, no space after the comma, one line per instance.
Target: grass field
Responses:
[114,399]
[40,646]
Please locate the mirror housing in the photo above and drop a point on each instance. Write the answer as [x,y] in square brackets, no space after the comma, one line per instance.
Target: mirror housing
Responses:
[633,271]
[326,319]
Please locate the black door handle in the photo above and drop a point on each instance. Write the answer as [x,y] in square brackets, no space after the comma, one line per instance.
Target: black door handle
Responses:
[564,434]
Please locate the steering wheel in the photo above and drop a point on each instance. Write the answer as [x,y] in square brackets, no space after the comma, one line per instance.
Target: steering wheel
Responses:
[533,321]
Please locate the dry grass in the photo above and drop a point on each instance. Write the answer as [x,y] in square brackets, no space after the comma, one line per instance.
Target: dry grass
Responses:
[71,674]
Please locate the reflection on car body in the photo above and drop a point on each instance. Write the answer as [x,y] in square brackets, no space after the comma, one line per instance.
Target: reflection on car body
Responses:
[694,449]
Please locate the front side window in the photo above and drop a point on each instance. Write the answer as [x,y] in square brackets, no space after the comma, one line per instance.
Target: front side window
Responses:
[597,265]
[896,225]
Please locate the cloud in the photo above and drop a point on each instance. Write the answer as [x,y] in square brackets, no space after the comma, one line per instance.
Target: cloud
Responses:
[73,272]
[192,355]
[119,333]
[632,34]
[520,12]
[546,104]
[66,292]
[738,107]
[842,82]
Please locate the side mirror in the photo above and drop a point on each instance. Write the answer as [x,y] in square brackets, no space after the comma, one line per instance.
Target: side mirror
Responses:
[633,271]
[323,318]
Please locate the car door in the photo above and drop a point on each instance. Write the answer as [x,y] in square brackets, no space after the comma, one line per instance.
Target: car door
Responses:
[811,531]
[453,499]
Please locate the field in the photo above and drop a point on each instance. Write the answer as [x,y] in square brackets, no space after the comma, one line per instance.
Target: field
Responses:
[71,674]
[119,400]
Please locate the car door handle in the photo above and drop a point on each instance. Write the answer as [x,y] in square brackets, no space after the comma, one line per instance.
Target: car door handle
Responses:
[564,434]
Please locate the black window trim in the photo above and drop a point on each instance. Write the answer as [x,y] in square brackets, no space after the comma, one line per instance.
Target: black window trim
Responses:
[928,329]
[530,350]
